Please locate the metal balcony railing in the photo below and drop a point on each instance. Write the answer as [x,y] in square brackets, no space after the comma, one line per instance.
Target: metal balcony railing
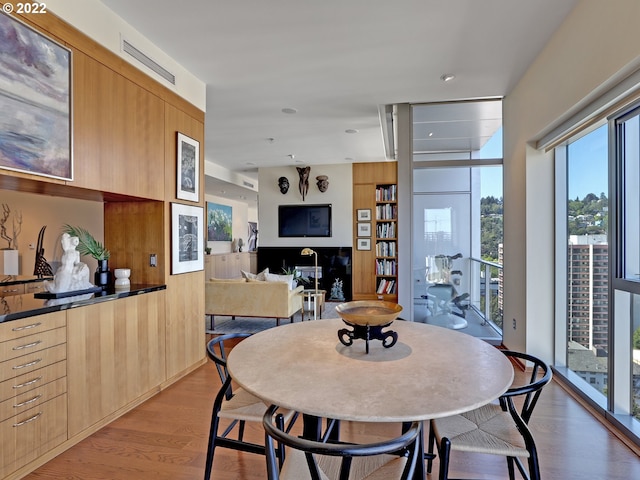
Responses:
[485,291]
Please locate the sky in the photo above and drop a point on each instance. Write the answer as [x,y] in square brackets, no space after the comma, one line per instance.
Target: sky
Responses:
[491,177]
[587,170]
[588,165]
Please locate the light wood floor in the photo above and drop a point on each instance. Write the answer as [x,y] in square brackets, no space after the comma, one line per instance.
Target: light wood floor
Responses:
[166,438]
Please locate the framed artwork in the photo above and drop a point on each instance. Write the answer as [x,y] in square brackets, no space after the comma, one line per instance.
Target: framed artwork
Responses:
[363,244]
[364,230]
[35,102]
[364,215]
[219,222]
[187,238]
[188,168]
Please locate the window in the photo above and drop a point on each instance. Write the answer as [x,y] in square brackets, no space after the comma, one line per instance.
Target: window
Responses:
[587,256]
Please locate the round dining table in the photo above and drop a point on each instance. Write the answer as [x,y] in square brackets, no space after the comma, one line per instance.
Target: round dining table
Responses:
[430,372]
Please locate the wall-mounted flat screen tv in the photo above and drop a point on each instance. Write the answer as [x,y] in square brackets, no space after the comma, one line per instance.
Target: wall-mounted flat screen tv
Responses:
[304,220]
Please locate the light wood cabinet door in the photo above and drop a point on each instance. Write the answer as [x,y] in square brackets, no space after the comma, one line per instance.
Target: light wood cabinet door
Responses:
[185,331]
[118,132]
[115,355]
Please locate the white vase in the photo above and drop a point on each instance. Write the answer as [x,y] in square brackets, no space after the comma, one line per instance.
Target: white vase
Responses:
[9,264]
[122,278]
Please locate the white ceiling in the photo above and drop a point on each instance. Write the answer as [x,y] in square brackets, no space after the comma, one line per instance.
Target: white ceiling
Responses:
[335,62]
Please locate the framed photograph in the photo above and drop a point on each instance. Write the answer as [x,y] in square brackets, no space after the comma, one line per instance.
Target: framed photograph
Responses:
[35,102]
[219,222]
[364,230]
[364,215]
[188,166]
[187,238]
[364,244]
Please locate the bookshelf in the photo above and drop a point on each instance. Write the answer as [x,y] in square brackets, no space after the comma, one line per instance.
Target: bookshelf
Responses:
[386,240]
[375,213]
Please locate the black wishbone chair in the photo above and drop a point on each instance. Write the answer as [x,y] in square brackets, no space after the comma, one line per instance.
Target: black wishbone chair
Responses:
[323,459]
[497,428]
[236,406]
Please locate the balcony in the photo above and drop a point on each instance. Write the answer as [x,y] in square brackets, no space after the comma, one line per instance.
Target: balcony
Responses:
[483,307]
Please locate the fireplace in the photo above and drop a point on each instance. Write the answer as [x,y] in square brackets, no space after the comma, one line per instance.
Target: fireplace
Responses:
[334,263]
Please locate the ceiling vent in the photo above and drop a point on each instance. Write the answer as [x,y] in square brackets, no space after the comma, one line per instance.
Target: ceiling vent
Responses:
[247,184]
[148,62]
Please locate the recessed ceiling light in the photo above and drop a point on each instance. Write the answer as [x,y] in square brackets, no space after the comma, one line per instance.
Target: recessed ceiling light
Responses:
[250,164]
[351,130]
[289,110]
[447,77]
[348,159]
[431,134]
[271,140]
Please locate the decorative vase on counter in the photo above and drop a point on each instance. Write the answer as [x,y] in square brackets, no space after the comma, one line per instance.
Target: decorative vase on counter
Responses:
[122,278]
[9,262]
[102,277]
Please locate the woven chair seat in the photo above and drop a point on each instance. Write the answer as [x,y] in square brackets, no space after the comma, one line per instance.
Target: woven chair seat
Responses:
[487,429]
[246,406]
[379,467]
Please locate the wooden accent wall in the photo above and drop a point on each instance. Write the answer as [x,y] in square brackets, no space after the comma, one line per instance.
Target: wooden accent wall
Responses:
[125,128]
[185,292]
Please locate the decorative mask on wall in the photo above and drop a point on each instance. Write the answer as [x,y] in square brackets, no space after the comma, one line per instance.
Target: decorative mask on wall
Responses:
[323,183]
[303,184]
[283,183]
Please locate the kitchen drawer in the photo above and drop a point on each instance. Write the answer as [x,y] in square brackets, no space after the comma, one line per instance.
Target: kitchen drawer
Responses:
[33,361]
[29,435]
[28,381]
[32,399]
[34,287]
[27,344]
[8,290]
[31,325]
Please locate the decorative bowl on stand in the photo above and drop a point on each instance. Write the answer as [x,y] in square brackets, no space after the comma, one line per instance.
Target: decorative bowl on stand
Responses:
[368,318]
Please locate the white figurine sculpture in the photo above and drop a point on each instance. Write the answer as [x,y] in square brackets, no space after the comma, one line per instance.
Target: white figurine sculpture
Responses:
[72,274]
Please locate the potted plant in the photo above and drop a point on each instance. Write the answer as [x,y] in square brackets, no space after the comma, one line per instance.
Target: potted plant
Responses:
[90,246]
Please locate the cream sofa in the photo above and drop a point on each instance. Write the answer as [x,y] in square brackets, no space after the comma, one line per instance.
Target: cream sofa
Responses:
[242,298]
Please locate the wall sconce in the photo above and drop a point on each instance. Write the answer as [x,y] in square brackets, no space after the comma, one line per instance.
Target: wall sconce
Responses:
[307,252]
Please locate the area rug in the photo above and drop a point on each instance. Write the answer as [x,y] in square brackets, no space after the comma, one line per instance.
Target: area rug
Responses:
[225,324]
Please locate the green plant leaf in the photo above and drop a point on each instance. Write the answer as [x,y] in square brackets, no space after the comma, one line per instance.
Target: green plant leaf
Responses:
[87,244]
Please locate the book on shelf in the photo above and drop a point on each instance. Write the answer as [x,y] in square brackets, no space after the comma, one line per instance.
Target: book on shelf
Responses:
[386,286]
[386,211]
[386,193]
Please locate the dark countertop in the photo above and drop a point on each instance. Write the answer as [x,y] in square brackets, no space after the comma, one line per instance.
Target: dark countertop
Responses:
[19,279]
[23,306]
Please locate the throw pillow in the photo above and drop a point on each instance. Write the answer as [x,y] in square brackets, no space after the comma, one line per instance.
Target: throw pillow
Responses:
[255,276]
[272,277]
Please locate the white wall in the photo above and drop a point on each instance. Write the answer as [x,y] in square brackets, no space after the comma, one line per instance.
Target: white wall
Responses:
[597,40]
[239,217]
[95,20]
[54,212]
[339,194]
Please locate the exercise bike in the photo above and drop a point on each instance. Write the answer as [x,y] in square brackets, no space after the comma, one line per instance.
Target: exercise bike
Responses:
[447,307]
